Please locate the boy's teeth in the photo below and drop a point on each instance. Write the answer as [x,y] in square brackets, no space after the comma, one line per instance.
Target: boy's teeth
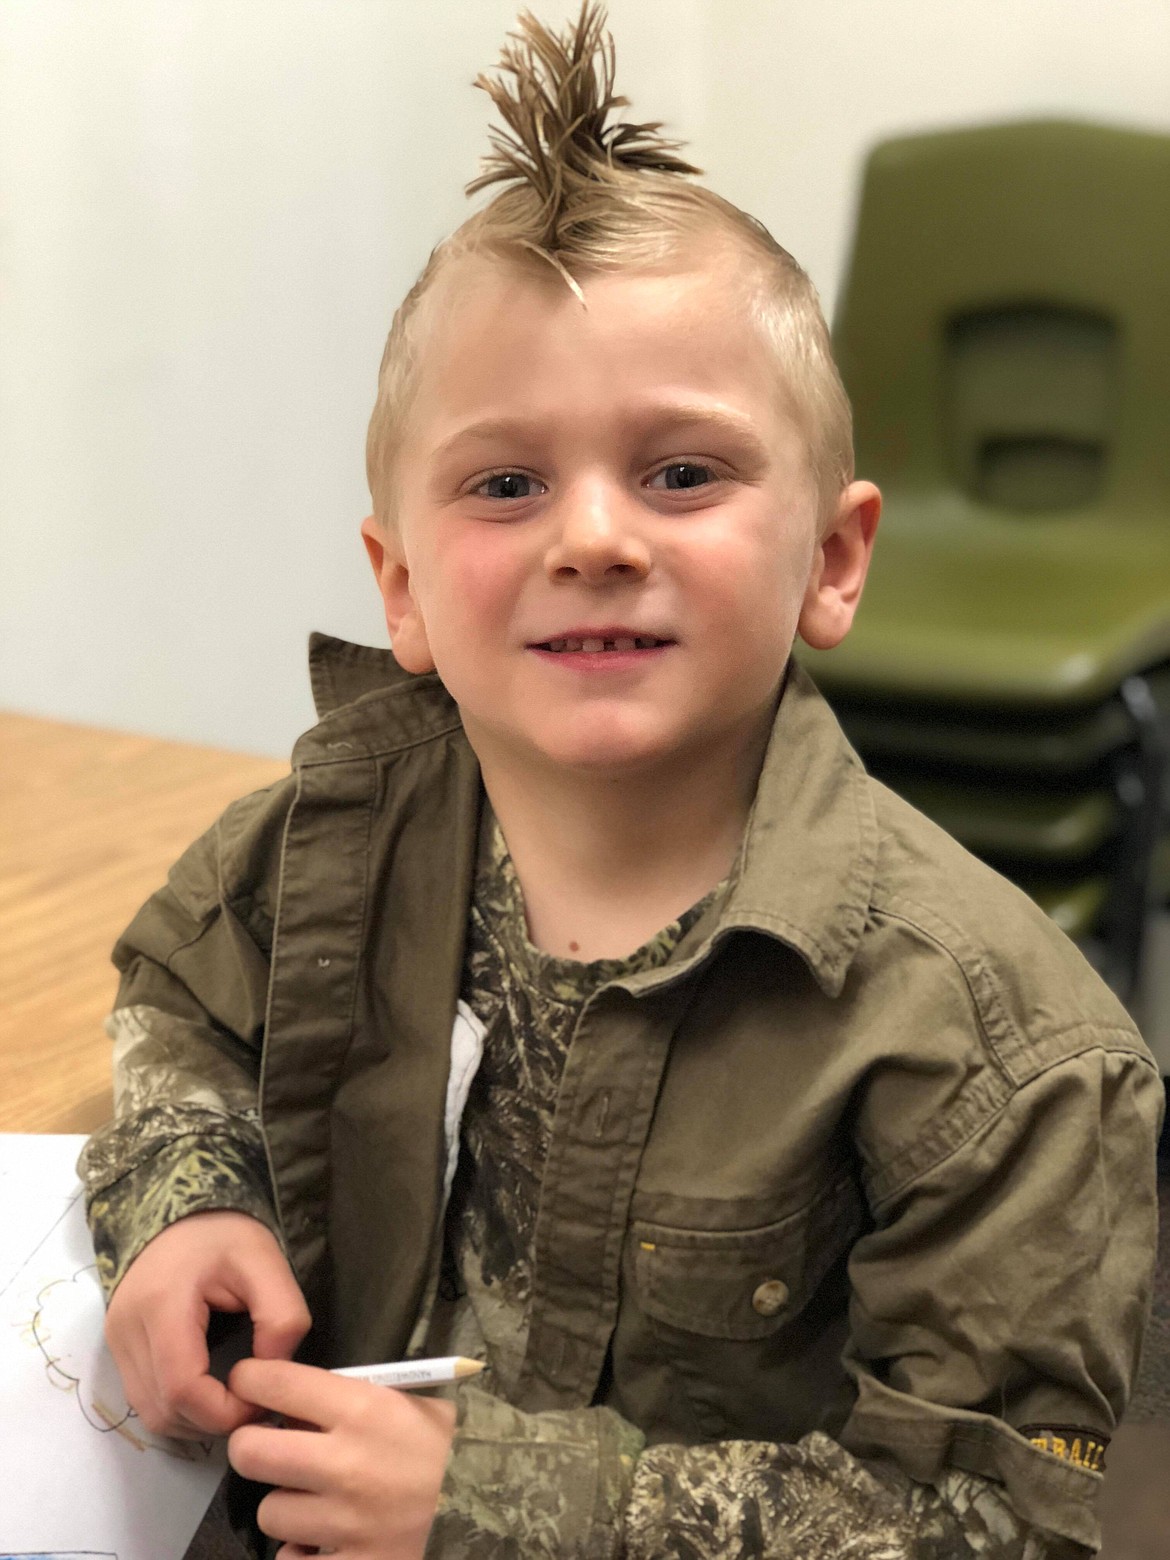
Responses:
[593,646]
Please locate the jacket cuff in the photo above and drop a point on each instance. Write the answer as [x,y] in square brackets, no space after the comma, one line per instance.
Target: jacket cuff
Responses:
[925,1439]
[553,1484]
[195,1173]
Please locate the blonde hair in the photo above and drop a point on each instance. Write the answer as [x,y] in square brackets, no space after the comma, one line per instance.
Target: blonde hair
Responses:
[584,196]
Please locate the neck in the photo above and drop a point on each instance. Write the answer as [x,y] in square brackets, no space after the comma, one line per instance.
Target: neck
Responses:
[607,860]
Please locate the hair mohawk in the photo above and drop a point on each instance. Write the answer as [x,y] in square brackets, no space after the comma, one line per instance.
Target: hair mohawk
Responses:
[555,94]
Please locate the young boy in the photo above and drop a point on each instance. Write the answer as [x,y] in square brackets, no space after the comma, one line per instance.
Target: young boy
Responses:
[819,1224]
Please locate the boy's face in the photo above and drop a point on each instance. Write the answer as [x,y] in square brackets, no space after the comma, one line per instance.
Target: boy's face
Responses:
[624,475]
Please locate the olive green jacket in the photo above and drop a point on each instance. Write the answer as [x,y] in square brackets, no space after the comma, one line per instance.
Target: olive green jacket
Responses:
[872,1156]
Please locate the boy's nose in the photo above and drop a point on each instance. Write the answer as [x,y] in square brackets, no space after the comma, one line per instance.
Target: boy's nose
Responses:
[597,539]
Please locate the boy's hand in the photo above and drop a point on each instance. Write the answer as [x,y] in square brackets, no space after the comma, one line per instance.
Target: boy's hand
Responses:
[156,1325]
[365,1484]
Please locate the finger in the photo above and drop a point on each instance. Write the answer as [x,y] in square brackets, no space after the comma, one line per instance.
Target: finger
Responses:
[136,1388]
[269,1454]
[191,1401]
[280,1317]
[167,1420]
[140,1384]
[296,1517]
[130,1349]
[298,1391]
[276,1336]
[208,1406]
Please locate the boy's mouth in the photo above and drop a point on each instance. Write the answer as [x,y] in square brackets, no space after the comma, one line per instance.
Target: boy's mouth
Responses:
[595,644]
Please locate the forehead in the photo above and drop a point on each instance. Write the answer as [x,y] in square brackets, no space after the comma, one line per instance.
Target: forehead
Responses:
[499,335]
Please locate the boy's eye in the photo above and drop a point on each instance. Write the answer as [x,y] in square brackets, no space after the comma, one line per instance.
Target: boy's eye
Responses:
[508,484]
[683,474]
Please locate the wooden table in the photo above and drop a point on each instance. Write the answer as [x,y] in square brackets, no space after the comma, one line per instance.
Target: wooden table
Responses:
[90,821]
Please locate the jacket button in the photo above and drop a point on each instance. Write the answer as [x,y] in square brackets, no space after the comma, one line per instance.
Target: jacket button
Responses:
[770,1297]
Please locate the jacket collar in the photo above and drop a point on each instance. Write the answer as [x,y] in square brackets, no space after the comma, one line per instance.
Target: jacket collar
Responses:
[368,705]
[806,871]
[340,672]
[809,857]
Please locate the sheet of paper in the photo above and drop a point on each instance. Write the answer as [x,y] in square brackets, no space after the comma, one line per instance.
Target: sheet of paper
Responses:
[81,1475]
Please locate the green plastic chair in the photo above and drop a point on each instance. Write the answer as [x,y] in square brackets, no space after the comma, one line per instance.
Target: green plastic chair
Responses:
[1004,335]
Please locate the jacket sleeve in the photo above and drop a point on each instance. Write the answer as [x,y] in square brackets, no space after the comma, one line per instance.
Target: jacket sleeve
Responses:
[187,1028]
[581,1483]
[185,1138]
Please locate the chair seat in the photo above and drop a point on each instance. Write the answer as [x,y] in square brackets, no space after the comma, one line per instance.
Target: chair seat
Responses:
[968,604]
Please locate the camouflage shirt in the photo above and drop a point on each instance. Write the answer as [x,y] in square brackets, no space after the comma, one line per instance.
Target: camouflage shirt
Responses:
[528,1003]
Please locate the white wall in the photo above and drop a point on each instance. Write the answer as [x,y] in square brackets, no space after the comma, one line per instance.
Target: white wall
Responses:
[209,209]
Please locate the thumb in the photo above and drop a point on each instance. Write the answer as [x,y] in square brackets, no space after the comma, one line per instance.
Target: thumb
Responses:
[280,1317]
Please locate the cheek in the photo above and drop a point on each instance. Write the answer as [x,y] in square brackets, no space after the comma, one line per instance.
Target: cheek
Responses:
[471,582]
[751,575]
[747,587]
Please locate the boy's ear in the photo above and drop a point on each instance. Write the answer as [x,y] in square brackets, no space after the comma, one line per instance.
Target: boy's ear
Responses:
[408,634]
[840,563]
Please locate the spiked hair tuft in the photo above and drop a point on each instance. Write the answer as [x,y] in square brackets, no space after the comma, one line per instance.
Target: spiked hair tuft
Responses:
[556,104]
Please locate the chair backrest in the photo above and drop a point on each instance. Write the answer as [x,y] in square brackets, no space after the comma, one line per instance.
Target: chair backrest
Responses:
[1004,330]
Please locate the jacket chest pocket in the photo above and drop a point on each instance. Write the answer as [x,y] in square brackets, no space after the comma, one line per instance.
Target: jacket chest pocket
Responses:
[750,1322]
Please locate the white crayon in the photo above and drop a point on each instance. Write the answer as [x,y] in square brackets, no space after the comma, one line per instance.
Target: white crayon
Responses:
[406,1374]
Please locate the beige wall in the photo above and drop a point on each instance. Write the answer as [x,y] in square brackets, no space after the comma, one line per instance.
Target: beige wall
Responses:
[209,209]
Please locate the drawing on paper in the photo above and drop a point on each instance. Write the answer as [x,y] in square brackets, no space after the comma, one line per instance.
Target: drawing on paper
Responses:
[91,1377]
[129,1495]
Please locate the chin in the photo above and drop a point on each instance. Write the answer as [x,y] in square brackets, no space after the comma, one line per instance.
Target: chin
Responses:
[608,753]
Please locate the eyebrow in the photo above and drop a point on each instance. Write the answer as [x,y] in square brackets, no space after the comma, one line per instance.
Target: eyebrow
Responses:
[481,432]
[681,415]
